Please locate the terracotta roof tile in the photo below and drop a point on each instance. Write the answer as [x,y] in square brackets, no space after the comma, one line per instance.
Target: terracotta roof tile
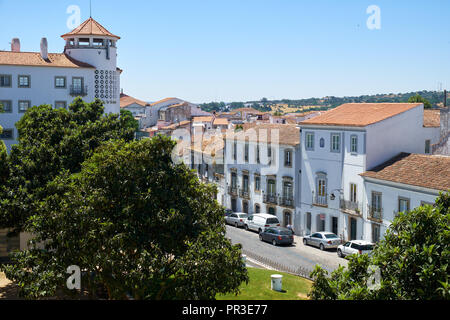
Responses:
[59,60]
[360,114]
[126,100]
[428,171]
[162,101]
[287,134]
[431,118]
[220,121]
[202,119]
[90,27]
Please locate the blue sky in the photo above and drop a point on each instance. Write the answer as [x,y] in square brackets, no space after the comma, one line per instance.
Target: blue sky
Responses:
[209,50]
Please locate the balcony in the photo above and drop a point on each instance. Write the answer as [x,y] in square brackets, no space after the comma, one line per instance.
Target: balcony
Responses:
[351,207]
[244,194]
[321,200]
[375,214]
[78,91]
[287,202]
[269,198]
[233,191]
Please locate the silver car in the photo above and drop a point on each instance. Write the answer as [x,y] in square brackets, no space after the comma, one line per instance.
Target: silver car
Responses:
[236,219]
[322,240]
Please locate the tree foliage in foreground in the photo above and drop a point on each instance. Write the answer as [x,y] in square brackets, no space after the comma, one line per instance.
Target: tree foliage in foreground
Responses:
[51,141]
[136,223]
[413,261]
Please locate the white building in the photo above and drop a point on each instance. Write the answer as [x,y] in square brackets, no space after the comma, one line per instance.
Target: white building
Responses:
[401,184]
[262,164]
[86,68]
[341,144]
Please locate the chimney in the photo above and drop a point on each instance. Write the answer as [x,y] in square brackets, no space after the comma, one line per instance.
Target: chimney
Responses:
[15,45]
[44,49]
[445,99]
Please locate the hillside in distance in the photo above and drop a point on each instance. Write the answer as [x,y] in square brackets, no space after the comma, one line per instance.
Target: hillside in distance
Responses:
[436,99]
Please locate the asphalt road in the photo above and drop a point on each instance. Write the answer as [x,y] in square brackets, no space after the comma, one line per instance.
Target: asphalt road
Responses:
[295,256]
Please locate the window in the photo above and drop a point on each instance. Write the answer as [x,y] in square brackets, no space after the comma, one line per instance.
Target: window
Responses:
[403,204]
[161,115]
[257,154]
[427,146]
[375,210]
[288,190]
[288,158]
[271,191]
[246,152]
[321,187]
[6,105]
[245,183]
[98,42]
[257,208]
[322,142]
[234,150]
[309,143]
[269,150]
[24,105]
[60,105]
[375,233]
[257,183]
[60,82]
[5,80]
[335,142]
[8,134]
[24,81]
[353,192]
[354,144]
[233,180]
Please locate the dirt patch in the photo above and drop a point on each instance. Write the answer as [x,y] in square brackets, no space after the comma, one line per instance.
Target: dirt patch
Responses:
[302,296]
[8,290]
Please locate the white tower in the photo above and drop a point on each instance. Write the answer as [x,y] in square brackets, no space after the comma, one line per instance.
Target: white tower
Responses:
[93,44]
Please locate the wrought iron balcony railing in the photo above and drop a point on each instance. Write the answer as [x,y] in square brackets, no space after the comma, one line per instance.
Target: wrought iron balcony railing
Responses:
[287,201]
[321,200]
[375,213]
[351,206]
[78,91]
[233,190]
[269,198]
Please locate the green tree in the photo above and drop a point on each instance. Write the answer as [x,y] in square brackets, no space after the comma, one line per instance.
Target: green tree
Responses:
[50,141]
[412,261]
[137,224]
[418,98]
[127,118]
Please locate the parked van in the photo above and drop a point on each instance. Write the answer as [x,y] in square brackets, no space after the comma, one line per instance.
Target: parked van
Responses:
[259,222]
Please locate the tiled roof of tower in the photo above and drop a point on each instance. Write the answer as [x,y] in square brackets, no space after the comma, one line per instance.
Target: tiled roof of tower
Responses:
[360,114]
[35,59]
[126,100]
[90,27]
[162,101]
[428,171]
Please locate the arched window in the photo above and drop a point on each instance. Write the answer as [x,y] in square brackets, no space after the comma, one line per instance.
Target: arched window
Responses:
[322,142]
[287,218]
[271,211]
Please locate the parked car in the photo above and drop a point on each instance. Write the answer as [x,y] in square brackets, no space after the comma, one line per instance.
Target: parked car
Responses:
[322,240]
[277,235]
[236,219]
[260,221]
[355,247]
[228,212]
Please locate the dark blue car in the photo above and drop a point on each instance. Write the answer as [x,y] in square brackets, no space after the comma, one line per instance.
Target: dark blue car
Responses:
[277,236]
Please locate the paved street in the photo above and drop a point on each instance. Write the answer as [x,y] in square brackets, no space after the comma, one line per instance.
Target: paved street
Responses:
[297,255]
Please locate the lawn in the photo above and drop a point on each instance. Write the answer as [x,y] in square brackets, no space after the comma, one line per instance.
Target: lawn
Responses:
[258,288]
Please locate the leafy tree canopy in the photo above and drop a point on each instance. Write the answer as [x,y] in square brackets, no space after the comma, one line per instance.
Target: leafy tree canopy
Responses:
[412,261]
[137,224]
[50,141]
[128,119]
[420,99]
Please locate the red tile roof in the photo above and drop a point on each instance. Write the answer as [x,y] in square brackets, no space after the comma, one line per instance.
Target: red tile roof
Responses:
[360,114]
[126,100]
[34,59]
[431,118]
[262,132]
[90,27]
[428,171]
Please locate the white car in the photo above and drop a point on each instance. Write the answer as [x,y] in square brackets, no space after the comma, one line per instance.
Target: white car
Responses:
[236,219]
[260,221]
[355,247]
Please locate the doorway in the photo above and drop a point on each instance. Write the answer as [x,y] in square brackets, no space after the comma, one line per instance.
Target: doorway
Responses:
[308,223]
[334,225]
[353,224]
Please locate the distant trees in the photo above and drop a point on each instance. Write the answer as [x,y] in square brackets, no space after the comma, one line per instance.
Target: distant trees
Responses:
[213,106]
[411,262]
[418,98]
[137,224]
